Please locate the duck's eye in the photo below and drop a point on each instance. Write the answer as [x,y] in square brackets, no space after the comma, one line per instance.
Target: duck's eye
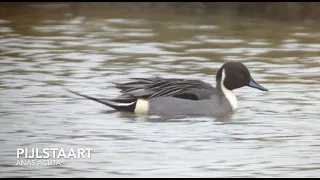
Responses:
[243,74]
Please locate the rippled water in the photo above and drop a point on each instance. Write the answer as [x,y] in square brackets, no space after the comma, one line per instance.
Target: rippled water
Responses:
[45,48]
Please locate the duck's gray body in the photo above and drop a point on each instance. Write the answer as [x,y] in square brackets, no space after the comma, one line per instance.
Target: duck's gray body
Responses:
[180,97]
[171,106]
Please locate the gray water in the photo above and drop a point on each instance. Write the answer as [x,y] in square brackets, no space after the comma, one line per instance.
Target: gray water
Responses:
[45,48]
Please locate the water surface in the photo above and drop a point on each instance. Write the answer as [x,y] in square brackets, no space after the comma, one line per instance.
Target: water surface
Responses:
[47,47]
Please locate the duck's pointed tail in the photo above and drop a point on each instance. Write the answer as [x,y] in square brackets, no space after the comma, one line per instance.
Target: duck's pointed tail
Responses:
[125,104]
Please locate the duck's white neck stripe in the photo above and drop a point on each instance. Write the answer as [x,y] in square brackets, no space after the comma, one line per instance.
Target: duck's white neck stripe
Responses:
[228,93]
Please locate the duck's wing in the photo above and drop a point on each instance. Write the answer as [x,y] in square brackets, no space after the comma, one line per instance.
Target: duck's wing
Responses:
[143,88]
[148,88]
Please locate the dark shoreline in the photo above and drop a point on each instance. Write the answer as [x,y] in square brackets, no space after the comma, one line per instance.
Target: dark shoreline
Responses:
[272,10]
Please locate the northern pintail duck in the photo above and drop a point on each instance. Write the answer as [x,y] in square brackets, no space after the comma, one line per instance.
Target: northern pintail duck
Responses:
[172,96]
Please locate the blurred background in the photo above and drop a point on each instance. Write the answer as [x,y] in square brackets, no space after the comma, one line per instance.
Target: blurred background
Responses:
[45,47]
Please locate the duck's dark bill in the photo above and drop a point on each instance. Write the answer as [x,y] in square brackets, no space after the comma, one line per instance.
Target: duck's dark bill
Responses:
[253,84]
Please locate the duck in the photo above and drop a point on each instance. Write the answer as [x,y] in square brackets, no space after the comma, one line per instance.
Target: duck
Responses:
[181,97]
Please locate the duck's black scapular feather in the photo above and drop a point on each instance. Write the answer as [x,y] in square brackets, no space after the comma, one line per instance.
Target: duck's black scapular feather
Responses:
[148,88]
